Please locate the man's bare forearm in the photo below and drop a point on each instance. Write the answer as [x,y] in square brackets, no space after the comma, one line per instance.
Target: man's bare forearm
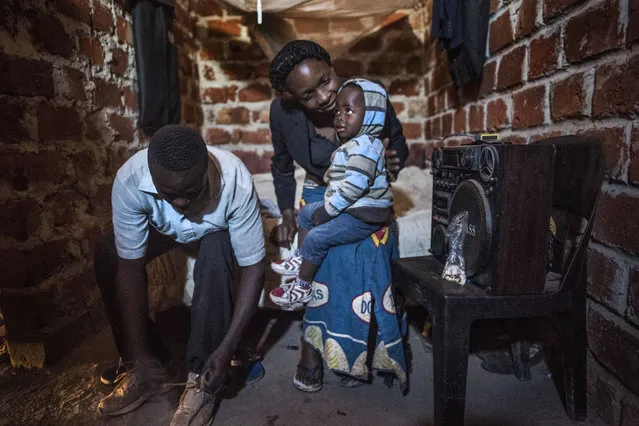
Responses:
[251,283]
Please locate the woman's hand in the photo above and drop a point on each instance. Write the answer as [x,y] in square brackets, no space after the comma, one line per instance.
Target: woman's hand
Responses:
[392,160]
[287,229]
[320,216]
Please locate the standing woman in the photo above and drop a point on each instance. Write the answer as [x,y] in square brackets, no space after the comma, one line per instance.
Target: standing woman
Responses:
[353,284]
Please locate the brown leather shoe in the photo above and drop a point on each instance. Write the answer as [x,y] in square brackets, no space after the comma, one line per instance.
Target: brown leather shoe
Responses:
[196,405]
[136,386]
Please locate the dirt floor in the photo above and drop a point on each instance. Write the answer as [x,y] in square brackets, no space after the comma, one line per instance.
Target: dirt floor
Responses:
[69,391]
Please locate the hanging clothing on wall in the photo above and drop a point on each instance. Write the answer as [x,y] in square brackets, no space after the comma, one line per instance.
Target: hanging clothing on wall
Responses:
[462,28]
[156,64]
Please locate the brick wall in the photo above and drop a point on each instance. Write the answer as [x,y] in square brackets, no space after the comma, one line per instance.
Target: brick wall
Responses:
[235,92]
[568,67]
[67,122]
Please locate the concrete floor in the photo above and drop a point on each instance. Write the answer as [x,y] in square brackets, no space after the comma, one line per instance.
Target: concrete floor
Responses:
[68,392]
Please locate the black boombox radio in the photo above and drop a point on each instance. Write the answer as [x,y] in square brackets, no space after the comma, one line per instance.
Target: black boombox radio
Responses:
[507,191]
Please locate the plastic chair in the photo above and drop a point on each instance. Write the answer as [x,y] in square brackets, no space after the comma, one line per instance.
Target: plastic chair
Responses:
[453,308]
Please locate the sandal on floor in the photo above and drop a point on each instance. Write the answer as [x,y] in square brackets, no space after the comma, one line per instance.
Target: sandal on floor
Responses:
[351,382]
[308,379]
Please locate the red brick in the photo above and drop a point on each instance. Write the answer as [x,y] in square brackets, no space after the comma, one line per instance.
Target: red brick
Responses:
[416,156]
[345,25]
[519,140]
[91,49]
[57,123]
[604,394]
[544,135]
[100,201]
[632,33]
[130,98]
[615,344]
[568,98]
[262,69]
[488,79]
[368,44]
[62,207]
[14,265]
[122,127]
[436,128]
[237,71]
[633,172]
[593,31]
[49,34]
[213,50]
[119,61]
[261,136]
[20,170]
[12,128]
[25,77]
[431,103]
[84,164]
[48,259]
[494,5]
[79,10]
[251,160]
[310,26]
[215,136]
[447,124]
[208,73]
[528,107]
[405,43]
[476,118]
[386,65]
[526,18]
[613,224]
[214,95]
[102,18]
[240,50]
[123,31]
[256,92]
[497,115]
[554,7]
[510,71]
[416,65]
[617,89]
[398,107]
[501,32]
[452,98]
[348,68]
[633,294]
[261,116]
[206,8]
[224,28]
[75,81]
[107,94]
[20,218]
[239,115]
[412,130]
[544,51]
[406,87]
[459,121]
[606,281]
[440,76]
[615,149]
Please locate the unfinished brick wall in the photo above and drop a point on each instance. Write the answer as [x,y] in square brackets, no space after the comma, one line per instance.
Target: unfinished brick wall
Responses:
[236,94]
[67,122]
[568,67]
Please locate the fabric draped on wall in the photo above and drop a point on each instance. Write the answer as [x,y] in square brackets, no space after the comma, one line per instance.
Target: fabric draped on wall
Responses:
[335,24]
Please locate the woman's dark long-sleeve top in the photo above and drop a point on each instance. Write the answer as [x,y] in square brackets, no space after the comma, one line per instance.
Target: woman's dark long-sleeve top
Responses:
[295,140]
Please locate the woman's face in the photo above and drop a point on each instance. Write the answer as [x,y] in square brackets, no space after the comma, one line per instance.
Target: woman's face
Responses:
[314,85]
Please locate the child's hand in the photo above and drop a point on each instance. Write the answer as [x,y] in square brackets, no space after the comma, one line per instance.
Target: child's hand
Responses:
[320,216]
[392,160]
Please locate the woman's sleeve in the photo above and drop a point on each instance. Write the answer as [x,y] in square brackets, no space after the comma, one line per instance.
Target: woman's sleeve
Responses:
[393,130]
[282,166]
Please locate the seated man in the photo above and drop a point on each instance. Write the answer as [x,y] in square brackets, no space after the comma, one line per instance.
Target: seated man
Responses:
[180,192]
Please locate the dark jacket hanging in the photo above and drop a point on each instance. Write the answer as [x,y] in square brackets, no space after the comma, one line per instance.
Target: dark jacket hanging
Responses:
[462,28]
[156,63]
